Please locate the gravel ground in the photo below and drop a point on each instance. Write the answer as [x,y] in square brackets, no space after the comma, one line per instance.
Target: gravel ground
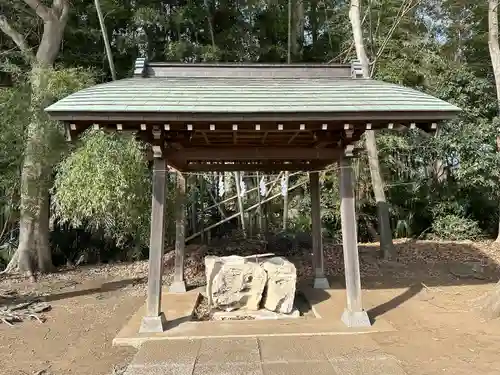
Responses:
[435,259]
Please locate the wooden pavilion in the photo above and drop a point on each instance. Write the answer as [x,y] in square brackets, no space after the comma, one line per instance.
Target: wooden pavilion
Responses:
[250,117]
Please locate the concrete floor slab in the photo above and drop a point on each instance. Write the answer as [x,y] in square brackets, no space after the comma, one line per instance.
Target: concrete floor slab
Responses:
[301,368]
[159,370]
[229,369]
[284,349]
[261,314]
[368,366]
[178,308]
[355,355]
[155,353]
[219,351]
[348,346]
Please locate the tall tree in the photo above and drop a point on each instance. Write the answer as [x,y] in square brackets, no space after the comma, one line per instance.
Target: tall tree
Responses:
[34,250]
[495,58]
[384,226]
[107,45]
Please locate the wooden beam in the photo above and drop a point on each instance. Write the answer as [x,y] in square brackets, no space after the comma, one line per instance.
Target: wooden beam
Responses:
[253,153]
[268,168]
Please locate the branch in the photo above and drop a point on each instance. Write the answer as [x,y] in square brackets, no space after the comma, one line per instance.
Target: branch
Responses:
[41,10]
[16,37]
[402,12]
[61,7]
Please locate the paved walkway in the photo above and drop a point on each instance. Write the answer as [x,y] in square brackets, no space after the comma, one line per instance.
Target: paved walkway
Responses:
[279,355]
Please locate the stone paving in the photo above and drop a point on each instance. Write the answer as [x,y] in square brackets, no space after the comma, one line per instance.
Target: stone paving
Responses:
[278,355]
[327,306]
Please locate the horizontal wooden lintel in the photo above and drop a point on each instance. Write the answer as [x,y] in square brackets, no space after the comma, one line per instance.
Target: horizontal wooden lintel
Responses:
[251,167]
[253,153]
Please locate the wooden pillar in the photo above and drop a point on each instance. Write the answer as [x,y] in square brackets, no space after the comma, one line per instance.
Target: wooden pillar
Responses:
[178,285]
[155,321]
[320,281]
[354,315]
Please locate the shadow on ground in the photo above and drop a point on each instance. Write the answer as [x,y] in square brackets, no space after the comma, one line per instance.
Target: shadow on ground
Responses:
[418,265]
[84,289]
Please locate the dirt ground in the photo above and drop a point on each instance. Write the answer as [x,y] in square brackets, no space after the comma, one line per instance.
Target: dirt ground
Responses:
[427,294]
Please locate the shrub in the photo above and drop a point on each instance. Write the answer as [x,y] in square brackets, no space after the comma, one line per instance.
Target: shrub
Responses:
[455,228]
[104,186]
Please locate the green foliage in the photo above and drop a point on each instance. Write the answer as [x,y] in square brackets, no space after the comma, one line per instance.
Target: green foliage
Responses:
[14,104]
[455,228]
[104,186]
[65,81]
[445,184]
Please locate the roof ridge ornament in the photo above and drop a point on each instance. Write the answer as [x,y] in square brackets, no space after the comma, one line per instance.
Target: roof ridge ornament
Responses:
[140,67]
[356,69]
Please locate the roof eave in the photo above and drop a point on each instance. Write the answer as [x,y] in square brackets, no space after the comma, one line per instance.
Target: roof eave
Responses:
[406,116]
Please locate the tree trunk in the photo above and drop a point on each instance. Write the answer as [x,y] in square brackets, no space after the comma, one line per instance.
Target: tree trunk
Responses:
[384,226]
[289,48]
[386,245]
[298,26]
[494,55]
[44,255]
[357,32]
[314,21]
[491,304]
[33,249]
[107,46]
[210,25]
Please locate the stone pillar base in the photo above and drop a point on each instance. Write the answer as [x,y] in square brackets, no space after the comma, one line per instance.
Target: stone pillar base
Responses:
[356,319]
[321,283]
[177,287]
[153,324]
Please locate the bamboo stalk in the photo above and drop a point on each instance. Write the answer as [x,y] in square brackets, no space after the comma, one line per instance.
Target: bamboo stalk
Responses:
[218,205]
[273,183]
[259,199]
[285,202]
[202,204]
[246,210]
[237,177]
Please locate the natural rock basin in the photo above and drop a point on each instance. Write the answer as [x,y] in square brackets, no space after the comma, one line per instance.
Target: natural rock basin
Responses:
[281,283]
[249,283]
[234,282]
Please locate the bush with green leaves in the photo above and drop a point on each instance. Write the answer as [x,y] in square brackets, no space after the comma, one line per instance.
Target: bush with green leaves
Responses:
[455,228]
[104,186]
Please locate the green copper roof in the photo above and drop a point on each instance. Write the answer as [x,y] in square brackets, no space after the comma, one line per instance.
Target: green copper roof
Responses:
[198,93]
